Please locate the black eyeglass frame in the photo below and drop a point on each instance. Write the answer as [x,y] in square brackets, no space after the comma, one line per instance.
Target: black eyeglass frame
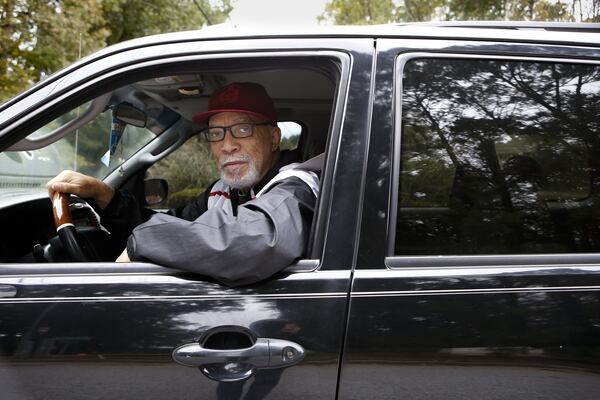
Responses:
[205,132]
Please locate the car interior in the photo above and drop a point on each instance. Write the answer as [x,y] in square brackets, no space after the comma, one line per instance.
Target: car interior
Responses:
[155,109]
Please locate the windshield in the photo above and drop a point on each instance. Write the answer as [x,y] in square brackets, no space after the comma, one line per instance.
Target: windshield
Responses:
[84,150]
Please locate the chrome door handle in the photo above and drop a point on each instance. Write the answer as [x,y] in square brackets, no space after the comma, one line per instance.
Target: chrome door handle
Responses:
[237,364]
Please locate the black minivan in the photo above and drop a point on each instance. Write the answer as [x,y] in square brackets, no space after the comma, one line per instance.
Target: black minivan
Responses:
[454,252]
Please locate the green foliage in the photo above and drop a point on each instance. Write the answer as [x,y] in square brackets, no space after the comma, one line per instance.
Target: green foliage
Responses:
[515,10]
[38,37]
[345,12]
[190,167]
[476,9]
[383,11]
[548,11]
[418,11]
[180,198]
[128,19]
[289,143]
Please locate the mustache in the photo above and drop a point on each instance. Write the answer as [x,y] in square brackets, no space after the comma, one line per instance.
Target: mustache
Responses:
[234,158]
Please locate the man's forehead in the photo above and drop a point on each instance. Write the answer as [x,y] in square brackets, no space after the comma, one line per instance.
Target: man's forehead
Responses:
[230,118]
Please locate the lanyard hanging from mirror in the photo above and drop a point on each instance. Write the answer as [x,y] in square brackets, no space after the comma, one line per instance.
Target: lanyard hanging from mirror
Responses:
[116,133]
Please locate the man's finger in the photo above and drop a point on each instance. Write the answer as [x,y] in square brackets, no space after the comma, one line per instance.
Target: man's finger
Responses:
[64,187]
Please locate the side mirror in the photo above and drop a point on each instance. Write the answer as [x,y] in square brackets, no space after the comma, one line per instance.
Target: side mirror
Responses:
[130,115]
[155,191]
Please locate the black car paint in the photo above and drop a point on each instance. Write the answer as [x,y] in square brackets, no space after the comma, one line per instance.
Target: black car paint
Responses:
[373,325]
[112,329]
[115,329]
[463,327]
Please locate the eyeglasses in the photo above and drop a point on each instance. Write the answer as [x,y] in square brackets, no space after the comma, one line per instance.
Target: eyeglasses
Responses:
[217,133]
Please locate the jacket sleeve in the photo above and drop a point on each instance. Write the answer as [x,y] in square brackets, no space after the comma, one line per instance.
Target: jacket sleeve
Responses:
[268,234]
[123,213]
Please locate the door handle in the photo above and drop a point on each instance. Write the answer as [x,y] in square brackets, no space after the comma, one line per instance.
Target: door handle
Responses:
[238,364]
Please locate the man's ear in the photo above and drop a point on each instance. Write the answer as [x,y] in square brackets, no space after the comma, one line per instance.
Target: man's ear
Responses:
[275,138]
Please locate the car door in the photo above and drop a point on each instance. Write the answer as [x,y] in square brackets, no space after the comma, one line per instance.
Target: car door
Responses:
[482,175]
[141,331]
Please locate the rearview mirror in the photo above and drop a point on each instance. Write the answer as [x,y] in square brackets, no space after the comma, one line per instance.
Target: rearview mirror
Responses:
[130,115]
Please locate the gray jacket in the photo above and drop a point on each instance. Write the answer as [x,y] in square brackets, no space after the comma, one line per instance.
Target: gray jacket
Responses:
[261,237]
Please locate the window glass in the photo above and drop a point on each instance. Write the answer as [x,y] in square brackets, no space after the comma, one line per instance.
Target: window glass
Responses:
[290,135]
[84,150]
[498,157]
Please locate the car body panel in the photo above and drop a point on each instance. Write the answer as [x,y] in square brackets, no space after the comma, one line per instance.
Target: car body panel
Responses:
[112,333]
[110,330]
[474,332]
[469,327]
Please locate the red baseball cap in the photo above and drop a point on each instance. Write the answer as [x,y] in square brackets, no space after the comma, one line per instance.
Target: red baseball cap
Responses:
[244,97]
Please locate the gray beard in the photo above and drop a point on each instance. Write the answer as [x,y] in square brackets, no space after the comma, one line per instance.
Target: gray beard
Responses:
[246,181]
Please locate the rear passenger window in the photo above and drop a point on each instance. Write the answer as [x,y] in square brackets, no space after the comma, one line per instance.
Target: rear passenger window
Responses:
[499,157]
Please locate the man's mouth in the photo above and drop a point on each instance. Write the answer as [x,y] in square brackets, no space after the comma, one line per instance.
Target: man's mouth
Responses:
[233,164]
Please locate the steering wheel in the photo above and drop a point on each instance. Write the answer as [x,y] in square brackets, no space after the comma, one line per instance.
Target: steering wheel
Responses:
[64,227]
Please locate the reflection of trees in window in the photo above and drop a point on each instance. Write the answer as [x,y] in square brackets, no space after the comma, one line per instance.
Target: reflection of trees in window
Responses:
[472,105]
[463,120]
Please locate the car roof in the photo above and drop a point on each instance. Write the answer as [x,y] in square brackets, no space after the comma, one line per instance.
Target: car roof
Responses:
[532,32]
[540,32]
[490,30]
[551,33]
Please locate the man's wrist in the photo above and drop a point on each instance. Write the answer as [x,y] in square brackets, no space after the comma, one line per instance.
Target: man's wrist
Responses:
[104,196]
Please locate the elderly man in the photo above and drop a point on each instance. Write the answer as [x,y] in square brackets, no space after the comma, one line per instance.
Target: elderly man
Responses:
[248,225]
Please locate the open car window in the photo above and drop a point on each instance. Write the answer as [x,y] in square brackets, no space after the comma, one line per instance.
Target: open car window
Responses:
[96,140]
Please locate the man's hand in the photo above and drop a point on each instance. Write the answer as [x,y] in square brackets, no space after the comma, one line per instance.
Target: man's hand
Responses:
[124,257]
[81,185]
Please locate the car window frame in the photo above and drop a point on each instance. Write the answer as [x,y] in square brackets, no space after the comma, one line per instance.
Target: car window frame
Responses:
[70,94]
[393,261]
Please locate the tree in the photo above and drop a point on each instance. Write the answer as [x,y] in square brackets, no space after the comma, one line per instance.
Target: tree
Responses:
[38,37]
[476,10]
[345,12]
[128,19]
[416,10]
[514,10]
[586,10]
[382,11]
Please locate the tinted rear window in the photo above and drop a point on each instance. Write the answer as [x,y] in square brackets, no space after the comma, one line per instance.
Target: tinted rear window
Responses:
[499,157]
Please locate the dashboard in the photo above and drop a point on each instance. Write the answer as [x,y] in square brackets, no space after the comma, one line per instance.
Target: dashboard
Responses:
[29,234]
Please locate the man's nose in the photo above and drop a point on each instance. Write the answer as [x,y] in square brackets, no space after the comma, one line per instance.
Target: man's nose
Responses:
[229,144]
